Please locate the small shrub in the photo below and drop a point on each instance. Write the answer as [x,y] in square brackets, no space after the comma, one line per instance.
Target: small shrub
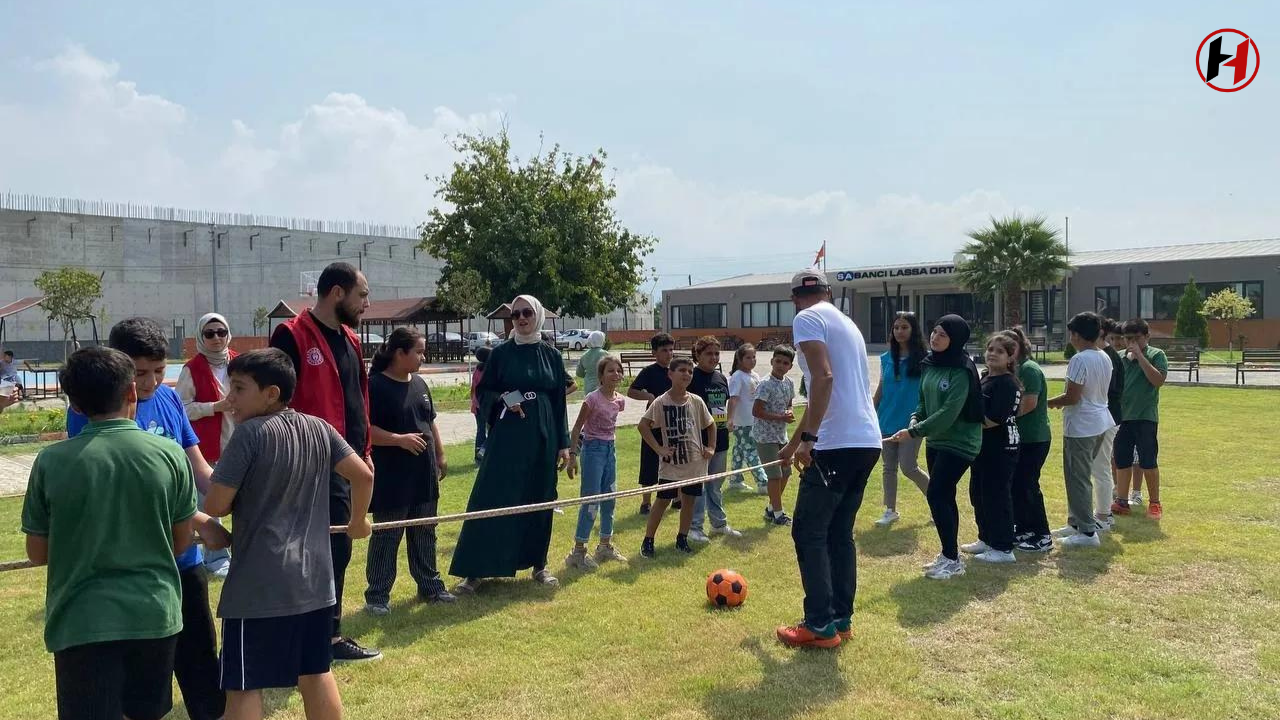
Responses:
[1068,351]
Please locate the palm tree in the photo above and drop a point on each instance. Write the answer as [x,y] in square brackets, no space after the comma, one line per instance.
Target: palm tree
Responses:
[1011,254]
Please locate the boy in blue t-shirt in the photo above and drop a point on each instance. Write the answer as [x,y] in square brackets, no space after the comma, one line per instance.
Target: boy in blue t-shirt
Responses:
[160,412]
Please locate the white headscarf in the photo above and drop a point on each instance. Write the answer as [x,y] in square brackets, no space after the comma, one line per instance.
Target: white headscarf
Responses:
[595,339]
[214,358]
[539,317]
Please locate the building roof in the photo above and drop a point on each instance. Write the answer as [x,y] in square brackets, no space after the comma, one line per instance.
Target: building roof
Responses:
[1268,247]
[18,306]
[1172,253]
[409,310]
[282,311]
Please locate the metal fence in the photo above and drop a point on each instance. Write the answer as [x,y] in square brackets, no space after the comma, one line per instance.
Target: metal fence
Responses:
[76,206]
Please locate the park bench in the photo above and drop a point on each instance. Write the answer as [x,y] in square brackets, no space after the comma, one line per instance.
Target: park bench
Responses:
[1184,359]
[1256,361]
[1039,347]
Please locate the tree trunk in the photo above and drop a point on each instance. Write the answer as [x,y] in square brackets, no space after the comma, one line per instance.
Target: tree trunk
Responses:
[1013,307]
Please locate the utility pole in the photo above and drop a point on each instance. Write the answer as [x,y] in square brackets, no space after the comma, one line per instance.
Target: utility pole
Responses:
[213,262]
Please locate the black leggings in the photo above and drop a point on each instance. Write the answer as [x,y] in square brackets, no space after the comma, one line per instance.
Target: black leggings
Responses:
[945,470]
[1028,502]
[989,492]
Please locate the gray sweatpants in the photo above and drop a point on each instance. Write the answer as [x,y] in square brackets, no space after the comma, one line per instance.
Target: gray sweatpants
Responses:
[895,455]
[1077,466]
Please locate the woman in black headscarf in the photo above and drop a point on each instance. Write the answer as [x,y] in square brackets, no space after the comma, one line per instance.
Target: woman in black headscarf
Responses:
[950,416]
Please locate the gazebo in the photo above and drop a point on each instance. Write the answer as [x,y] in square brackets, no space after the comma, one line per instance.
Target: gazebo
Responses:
[426,312]
[503,313]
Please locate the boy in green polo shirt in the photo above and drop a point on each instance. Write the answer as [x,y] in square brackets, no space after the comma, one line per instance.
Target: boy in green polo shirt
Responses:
[112,492]
[1145,370]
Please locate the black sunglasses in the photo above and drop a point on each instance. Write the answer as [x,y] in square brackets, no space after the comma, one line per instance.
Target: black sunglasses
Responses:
[211,334]
[523,312]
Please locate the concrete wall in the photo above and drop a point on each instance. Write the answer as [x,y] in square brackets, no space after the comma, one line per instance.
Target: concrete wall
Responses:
[163,269]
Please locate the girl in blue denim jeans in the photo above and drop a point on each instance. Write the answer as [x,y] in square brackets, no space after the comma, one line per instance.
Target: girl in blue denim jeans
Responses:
[593,438]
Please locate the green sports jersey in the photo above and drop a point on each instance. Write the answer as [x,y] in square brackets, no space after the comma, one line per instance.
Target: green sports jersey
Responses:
[943,393]
[1140,400]
[107,501]
[1034,426]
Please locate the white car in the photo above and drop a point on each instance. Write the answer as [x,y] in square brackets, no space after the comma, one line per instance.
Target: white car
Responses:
[476,340]
[575,339]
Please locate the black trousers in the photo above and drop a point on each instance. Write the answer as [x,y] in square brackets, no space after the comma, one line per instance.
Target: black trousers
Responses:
[340,547]
[830,494]
[1028,502]
[195,658]
[945,470]
[990,487]
[380,571]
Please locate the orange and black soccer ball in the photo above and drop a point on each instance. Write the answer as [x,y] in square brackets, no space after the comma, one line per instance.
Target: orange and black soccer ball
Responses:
[726,588]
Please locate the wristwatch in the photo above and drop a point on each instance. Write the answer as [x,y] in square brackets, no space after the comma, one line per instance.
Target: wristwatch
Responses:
[808,437]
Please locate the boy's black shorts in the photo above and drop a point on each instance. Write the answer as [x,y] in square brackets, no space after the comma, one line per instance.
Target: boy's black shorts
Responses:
[259,653]
[1139,434]
[120,678]
[649,462]
[688,490]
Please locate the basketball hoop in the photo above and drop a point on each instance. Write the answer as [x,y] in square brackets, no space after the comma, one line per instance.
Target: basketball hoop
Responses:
[309,280]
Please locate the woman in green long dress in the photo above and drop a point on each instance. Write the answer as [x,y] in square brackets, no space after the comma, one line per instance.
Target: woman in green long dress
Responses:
[528,445]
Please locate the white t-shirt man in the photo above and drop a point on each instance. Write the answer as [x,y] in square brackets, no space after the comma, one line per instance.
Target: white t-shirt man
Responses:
[850,421]
[1090,368]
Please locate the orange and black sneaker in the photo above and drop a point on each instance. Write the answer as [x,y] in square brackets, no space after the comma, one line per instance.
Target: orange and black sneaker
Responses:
[800,635]
[844,628]
[1120,506]
[1155,510]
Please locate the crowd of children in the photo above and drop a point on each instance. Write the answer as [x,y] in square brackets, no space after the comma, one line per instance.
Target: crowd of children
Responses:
[130,501]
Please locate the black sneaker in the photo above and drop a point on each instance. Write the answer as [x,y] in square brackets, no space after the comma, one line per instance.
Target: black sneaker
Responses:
[439,596]
[644,508]
[781,518]
[1023,537]
[1043,543]
[646,549]
[348,650]
[682,544]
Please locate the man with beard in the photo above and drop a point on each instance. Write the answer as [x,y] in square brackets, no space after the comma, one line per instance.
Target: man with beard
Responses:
[333,385]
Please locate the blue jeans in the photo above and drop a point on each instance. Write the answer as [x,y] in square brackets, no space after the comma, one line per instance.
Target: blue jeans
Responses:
[481,434]
[599,475]
[711,502]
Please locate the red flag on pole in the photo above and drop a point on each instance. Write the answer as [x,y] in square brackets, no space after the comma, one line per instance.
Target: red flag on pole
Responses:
[822,253]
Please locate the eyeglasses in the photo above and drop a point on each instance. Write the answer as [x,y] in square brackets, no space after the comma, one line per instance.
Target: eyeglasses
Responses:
[523,313]
[211,334]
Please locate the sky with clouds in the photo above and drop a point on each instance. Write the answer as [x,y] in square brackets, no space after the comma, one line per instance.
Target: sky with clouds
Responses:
[742,134]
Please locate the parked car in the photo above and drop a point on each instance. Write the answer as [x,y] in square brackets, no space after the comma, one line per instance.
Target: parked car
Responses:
[575,339]
[476,340]
[554,340]
[436,338]
[370,342]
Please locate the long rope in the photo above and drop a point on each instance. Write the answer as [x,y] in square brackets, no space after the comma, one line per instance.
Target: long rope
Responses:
[506,511]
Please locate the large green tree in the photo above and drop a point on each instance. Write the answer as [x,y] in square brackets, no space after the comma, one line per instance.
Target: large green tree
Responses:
[542,226]
[69,296]
[1010,255]
[1190,322]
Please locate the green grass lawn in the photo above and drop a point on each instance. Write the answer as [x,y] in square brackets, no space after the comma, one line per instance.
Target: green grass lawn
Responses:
[1176,620]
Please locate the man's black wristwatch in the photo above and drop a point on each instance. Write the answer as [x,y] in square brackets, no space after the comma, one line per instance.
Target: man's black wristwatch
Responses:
[808,437]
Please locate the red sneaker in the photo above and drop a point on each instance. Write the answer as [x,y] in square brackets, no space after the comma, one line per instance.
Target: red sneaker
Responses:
[1118,509]
[799,635]
[1155,511]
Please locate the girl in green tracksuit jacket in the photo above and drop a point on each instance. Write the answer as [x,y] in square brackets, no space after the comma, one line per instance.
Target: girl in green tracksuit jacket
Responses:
[950,417]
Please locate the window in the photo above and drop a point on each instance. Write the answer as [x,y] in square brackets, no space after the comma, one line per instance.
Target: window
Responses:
[979,311]
[1106,301]
[686,317]
[768,314]
[1160,302]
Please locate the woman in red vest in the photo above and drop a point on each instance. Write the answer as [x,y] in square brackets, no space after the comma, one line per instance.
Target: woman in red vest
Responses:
[203,387]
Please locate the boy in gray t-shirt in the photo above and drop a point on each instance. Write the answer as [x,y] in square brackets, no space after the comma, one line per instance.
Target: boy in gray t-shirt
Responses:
[273,479]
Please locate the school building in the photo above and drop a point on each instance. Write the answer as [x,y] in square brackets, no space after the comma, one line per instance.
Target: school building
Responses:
[1121,284]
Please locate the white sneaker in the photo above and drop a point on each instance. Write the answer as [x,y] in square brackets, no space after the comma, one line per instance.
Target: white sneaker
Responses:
[1082,540]
[1136,498]
[889,517]
[936,562]
[698,536]
[726,531]
[946,570]
[1065,532]
[996,557]
[975,548]
[1104,524]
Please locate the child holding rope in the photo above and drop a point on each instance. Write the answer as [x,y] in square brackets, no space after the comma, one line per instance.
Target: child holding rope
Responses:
[274,479]
[594,435]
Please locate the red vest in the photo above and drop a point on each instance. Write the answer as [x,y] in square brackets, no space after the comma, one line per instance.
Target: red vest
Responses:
[319,391]
[208,429]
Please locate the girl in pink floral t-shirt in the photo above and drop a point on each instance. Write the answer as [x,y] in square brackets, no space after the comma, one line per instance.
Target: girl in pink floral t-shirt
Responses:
[594,435]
